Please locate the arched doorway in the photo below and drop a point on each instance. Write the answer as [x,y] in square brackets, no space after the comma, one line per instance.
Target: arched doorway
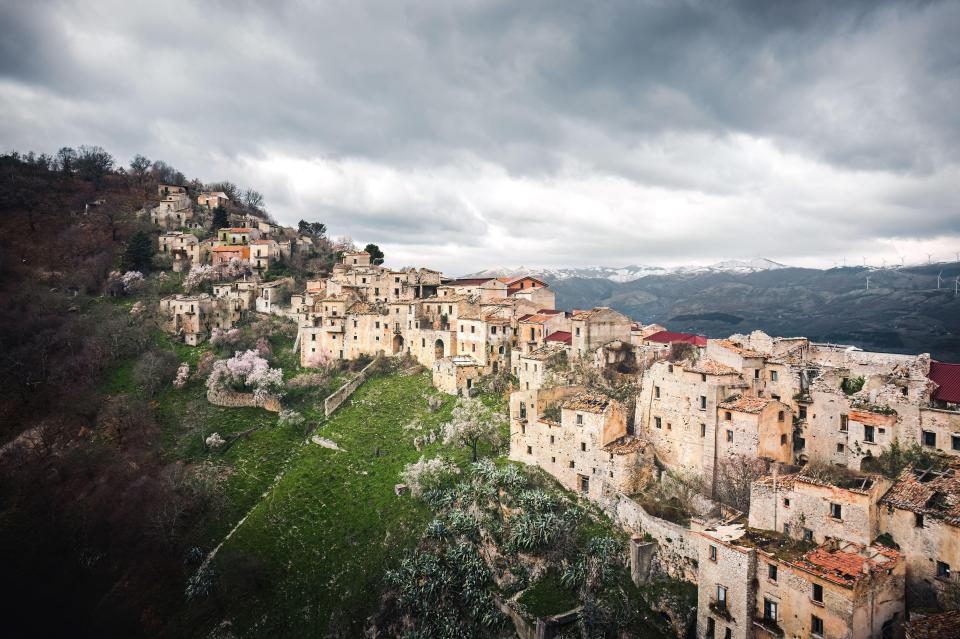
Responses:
[438,349]
[397,344]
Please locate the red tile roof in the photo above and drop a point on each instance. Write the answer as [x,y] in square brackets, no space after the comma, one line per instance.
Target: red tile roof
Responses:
[667,337]
[944,625]
[560,336]
[947,377]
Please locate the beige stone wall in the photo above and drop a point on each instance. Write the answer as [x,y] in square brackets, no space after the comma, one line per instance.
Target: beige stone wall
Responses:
[923,547]
[807,506]
[454,379]
[945,425]
[733,568]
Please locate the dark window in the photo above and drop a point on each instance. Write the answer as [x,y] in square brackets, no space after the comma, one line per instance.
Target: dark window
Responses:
[773,376]
[943,570]
[730,436]
[579,419]
[803,412]
[670,368]
[955,442]
[727,633]
[918,520]
[818,593]
[780,415]
[727,416]
[572,465]
[756,373]
[844,422]
[769,609]
[836,511]
[783,440]
[772,572]
[713,553]
[583,446]
[656,392]
[786,502]
[523,410]
[816,625]
[786,530]
[868,434]
[529,450]
[929,438]
[551,439]
[722,597]
[703,402]
[807,534]
[703,430]
[839,448]
[657,423]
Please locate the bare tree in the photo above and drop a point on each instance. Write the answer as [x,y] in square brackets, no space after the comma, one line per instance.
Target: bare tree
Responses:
[139,167]
[734,476]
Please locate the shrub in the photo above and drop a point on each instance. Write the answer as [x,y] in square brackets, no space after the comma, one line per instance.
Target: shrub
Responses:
[183,373]
[153,369]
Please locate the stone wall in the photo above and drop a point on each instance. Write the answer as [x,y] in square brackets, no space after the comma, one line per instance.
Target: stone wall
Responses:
[343,393]
[677,548]
[236,400]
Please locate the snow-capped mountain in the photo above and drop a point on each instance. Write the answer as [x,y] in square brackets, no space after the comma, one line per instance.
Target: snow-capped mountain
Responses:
[632,272]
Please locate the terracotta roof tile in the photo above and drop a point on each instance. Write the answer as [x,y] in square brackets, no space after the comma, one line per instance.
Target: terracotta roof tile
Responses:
[710,367]
[744,404]
[934,494]
[588,403]
[944,625]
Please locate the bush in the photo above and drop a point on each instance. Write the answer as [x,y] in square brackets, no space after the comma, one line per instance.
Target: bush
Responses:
[154,370]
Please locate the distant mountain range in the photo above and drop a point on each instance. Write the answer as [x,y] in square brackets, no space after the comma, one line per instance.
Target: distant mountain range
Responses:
[632,272]
[902,311]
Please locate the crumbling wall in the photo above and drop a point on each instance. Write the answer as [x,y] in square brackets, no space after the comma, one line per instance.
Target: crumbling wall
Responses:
[676,549]
[237,400]
[343,393]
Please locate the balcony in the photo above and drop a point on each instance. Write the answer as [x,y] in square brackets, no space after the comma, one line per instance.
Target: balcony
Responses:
[769,625]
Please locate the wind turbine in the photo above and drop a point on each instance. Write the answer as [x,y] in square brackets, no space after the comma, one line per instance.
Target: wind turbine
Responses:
[868,282]
[956,286]
[901,262]
[939,278]
[929,255]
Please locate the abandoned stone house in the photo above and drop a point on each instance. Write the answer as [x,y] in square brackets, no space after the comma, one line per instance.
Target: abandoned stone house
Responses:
[757,584]
[263,253]
[174,210]
[212,199]
[592,329]
[184,248]
[578,437]
[799,506]
[194,316]
[273,297]
[921,514]
[237,298]
[456,375]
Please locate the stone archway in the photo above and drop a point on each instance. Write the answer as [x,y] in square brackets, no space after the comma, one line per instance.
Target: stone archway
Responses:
[397,344]
[438,349]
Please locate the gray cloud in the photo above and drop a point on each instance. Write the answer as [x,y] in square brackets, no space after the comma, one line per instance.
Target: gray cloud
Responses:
[536,132]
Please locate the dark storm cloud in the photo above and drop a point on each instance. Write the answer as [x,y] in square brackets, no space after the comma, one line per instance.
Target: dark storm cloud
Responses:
[568,132]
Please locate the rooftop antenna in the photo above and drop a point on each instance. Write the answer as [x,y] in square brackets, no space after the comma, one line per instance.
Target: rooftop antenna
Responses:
[939,278]
[868,282]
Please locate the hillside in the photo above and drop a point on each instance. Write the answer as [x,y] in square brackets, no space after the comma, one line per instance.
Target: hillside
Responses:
[901,312]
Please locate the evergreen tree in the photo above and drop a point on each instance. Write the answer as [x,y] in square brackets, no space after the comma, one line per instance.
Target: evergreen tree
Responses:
[220,218]
[376,255]
[139,253]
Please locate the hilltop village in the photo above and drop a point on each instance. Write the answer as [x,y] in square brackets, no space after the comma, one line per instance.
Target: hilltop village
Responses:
[809,490]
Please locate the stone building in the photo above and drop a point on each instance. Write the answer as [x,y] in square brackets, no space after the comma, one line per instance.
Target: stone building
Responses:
[944,625]
[237,235]
[224,253]
[212,199]
[174,210]
[456,375]
[592,329]
[803,507]
[263,253]
[578,437]
[193,316]
[921,513]
[182,247]
[754,427]
[758,584]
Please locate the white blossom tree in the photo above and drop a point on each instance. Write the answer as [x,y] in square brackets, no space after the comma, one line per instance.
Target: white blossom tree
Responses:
[245,371]
[473,423]
[424,474]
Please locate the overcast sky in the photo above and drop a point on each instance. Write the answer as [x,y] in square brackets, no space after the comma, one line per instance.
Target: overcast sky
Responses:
[463,135]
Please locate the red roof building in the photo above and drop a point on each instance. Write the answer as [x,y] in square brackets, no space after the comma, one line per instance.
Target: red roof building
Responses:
[563,337]
[947,378]
[668,337]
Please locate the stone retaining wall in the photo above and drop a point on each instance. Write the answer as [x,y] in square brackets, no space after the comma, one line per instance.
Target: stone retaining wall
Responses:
[343,393]
[677,548]
[233,399]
